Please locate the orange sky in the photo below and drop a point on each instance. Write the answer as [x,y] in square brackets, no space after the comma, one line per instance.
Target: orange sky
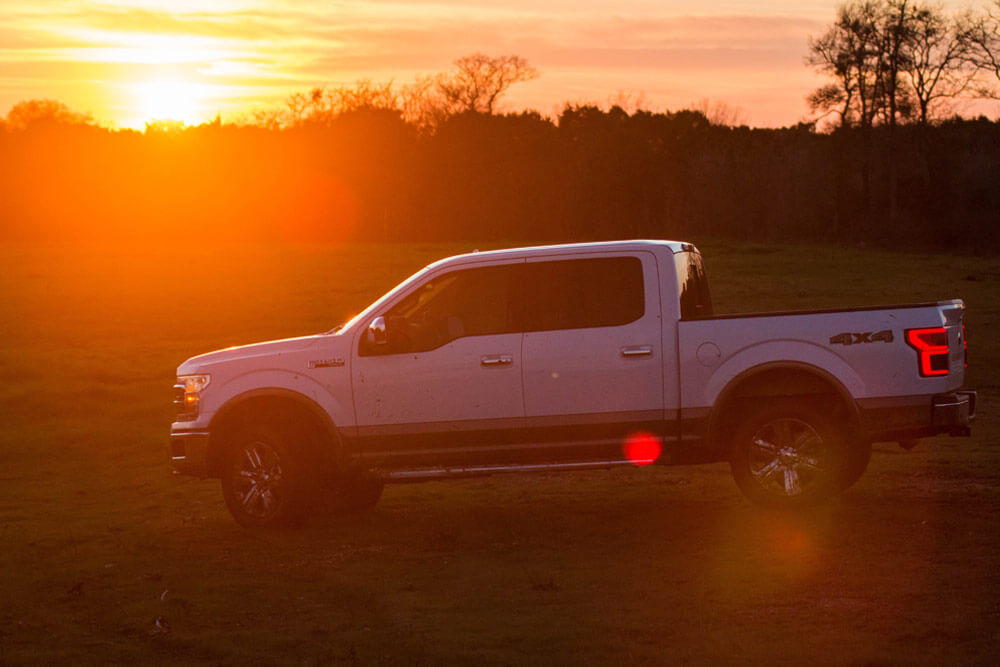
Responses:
[128,62]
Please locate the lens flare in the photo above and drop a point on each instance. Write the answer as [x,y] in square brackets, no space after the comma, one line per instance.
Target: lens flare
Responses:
[642,448]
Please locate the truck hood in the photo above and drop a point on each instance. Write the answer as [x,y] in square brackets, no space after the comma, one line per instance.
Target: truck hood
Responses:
[273,348]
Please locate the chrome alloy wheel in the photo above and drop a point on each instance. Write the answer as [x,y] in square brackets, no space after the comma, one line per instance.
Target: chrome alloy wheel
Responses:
[258,480]
[787,457]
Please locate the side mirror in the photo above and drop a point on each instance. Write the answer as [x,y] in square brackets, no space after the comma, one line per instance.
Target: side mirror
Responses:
[377,336]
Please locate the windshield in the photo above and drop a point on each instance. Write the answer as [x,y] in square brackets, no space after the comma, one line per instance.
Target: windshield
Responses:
[349,324]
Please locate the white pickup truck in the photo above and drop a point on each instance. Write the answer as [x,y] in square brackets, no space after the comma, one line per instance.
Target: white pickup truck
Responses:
[566,357]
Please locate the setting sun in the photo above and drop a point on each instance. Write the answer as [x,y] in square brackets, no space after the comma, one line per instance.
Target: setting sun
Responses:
[170,100]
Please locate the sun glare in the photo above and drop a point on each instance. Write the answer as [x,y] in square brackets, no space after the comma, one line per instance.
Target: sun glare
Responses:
[170,100]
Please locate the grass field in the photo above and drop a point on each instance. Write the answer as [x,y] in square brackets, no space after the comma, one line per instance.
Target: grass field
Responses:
[106,557]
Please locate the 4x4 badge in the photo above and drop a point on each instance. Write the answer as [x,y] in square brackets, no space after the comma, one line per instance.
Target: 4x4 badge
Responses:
[867,337]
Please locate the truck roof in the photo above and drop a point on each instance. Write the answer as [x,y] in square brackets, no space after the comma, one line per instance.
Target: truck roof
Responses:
[568,248]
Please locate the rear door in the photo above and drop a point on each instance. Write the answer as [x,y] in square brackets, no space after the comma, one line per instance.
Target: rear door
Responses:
[591,357]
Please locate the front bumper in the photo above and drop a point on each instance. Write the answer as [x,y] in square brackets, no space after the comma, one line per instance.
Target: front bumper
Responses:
[188,453]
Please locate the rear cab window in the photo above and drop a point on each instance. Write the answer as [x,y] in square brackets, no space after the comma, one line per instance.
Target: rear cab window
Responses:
[692,282]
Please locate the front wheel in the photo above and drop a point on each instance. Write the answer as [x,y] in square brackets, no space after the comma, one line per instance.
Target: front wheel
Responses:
[788,456]
[266,478]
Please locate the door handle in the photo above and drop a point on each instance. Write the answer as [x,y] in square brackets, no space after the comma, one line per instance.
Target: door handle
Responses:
[637,350]
[496,360]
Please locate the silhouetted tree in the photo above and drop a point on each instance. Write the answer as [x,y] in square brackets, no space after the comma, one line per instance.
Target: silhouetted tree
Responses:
[43,112]
[935,58]
[893,59]
[422,104]
[719,113]
[849,51]
[359,164]
[983,37]
[890,60]
[479,81]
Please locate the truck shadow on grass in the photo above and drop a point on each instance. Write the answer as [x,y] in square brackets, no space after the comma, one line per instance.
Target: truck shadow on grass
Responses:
[651,564]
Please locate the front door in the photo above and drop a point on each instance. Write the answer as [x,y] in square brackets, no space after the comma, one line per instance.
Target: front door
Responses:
[445,384]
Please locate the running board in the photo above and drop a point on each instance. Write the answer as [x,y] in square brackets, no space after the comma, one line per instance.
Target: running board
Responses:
[427,474]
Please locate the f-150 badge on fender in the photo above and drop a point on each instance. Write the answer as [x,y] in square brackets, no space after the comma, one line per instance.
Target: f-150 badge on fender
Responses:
[326,363]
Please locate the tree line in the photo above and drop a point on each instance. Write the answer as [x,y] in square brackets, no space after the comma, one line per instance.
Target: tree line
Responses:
[438,160]
[897,61]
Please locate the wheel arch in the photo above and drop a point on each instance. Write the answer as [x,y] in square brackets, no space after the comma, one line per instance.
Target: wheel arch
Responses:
[779,380]
[272,403]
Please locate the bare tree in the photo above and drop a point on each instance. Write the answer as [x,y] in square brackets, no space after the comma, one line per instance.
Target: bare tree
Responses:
[302,107]
[893,59]
[268,119]
[983,37]
[849,51]
[365,95]
[893,35]
[422,105]
[630,101]
[831,54]
[719,113]
[936,58]
[321,105]
[479,81]
[477,84]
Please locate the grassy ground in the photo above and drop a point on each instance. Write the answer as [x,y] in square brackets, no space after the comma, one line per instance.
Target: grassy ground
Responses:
[105,557]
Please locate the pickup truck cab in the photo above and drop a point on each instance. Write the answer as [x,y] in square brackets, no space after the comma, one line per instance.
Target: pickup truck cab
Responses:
[566,357]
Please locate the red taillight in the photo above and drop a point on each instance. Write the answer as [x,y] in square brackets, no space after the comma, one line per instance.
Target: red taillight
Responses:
[965,346]
[932,345]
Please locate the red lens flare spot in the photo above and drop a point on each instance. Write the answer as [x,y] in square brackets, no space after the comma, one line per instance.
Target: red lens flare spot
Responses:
[642,448]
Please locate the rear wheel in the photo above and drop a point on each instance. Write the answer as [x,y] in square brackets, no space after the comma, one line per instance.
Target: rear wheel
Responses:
[267,480]
[788,455]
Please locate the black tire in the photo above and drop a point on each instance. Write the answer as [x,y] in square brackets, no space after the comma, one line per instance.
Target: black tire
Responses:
[358,491]
[788,455]
[268,479]
[857,464]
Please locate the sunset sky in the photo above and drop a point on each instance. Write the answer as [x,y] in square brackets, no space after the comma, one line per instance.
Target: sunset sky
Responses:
[127,62]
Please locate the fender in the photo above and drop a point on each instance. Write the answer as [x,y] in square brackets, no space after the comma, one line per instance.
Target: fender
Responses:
[275,382]
[304,401]
[213,453]
[790,354]
[721,405]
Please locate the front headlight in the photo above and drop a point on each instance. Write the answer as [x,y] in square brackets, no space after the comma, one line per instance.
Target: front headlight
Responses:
[187,395]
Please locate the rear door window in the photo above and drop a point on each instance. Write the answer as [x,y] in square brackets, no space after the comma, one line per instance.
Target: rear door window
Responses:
[580,293]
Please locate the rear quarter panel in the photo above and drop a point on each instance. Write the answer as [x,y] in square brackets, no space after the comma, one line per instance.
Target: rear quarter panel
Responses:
[714,351]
